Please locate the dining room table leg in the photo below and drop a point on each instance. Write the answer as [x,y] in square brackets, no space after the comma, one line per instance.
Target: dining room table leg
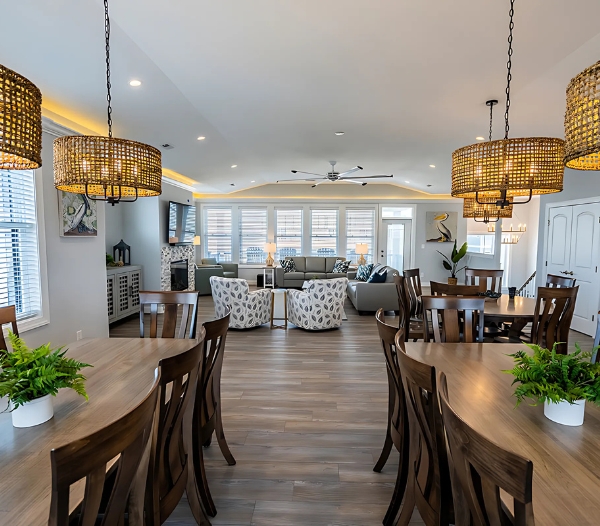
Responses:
[516,327]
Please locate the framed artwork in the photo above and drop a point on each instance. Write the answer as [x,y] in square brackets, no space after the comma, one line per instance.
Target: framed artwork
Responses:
[441,226]
[78,215]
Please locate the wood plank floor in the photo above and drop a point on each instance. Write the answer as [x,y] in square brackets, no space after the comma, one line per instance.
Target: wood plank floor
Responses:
[305,417]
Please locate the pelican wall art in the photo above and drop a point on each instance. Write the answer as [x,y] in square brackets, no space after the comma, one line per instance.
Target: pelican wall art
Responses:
[441,226]
[77,215]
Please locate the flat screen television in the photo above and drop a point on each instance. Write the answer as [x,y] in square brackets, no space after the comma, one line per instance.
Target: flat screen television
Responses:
[182,223]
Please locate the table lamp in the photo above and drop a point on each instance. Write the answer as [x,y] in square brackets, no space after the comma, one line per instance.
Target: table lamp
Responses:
[270,248]
[362,249]
[196,240]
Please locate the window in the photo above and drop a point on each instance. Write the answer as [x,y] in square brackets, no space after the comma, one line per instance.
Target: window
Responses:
[253,235]
[396,212]
[288,233]
[360,228]
[323,232]
[20,283]
[481,243]
[217,233]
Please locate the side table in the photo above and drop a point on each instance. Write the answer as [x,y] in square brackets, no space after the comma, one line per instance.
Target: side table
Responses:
[268,277]
[277,295]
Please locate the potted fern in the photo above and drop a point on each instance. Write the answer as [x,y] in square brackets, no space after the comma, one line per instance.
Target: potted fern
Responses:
[562,382]
[30,377]
[450,263]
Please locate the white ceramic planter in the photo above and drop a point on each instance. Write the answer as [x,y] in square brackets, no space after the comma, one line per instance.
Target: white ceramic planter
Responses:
[565,413]
[33,413]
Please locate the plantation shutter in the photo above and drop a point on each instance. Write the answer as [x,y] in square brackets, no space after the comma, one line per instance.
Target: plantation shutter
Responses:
[289,232]
[360,228]
[323,235]
[217,233]
[19,255]
[253,234]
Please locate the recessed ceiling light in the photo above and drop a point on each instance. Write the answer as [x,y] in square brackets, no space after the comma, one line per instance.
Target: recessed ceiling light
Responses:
[135,83]
[234,165]
[201,138]
[339,133]
[432,166]
[480,138]
[408,182]
[252,181]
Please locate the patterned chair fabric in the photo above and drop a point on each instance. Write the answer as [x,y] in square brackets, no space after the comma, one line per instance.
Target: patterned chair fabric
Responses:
[248,309]
[319,306]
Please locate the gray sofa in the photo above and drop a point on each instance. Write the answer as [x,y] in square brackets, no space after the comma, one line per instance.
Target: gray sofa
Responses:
[369,297]
[210,267]
[307,268]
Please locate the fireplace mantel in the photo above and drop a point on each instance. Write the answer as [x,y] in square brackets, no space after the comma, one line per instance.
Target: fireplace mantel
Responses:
[176,253]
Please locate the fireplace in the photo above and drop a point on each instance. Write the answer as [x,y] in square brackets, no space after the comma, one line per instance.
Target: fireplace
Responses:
[179,275]
[179,255]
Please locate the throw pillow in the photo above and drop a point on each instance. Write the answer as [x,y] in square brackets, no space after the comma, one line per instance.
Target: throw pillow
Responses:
[377,278]
[341,266]
[287,265]
[364,271]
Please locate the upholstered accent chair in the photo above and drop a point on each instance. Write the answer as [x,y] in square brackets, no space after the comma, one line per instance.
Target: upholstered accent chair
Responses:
[319,306]
[248,309]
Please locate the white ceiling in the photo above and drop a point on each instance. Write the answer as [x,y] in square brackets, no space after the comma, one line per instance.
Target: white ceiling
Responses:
[268,82]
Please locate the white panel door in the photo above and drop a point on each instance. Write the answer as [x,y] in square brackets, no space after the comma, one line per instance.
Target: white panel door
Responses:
[559,241]
[585,237]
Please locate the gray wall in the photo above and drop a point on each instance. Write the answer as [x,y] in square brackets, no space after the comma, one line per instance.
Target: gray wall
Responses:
[113,226]
[76,270]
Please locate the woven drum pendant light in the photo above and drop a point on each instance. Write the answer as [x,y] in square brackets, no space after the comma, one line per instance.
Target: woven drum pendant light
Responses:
[20,122]
[582,120]
[107,168]
[497,170]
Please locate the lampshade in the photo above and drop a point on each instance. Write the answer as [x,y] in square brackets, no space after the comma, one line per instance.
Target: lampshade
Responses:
[361,248]
[196,240]
[20,122]
[582,120]
[486,212]
[270,247]
[173,239]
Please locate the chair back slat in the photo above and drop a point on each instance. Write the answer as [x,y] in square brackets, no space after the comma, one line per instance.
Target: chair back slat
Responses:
[485,279]
[412,283]
[481,469]
[7,315]
[127,439]
[457,314]
[552,280]
[171,301]
[444,289]
[552,317]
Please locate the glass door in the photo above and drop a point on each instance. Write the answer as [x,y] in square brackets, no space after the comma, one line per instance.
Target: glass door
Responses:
[394,243]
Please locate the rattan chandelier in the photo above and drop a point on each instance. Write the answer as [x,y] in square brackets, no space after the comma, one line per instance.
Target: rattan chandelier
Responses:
[486,212]
[497,170]
[20,122]
[107,168]
[582,120]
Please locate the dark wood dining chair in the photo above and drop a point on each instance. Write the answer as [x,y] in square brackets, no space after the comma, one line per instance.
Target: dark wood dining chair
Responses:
[459,316]
[106,495]
[429,487]
[595,353]
[7,315]
[392,340]
[170,460]
[485,279]
[413,287]
[552,317]
[552,280]
[480,469]
[171,301]
[208,418]
[444,289]
[412,327]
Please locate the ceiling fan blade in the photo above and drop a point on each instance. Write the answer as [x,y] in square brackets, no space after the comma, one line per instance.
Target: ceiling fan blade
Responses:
[370,176]
[306,173]
[297,180]
[320,182]
[353,181]
[355,169]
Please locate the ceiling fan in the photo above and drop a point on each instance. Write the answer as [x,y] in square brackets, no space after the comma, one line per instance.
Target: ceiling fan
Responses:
[335,176]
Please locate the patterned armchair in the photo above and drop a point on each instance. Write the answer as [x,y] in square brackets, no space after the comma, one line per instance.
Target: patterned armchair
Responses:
[248,309]
[319,306]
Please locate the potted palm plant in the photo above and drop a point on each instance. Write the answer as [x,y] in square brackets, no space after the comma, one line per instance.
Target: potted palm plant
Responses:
[450,263]
[562,382]
[30,377]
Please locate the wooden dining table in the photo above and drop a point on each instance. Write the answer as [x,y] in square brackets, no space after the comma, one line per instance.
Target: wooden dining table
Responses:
[566,460]
[518,310]
[122,374]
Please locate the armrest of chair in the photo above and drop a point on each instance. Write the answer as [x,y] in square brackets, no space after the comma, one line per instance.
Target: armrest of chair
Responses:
[260,292]
[279,276]
[230,267]
[351,274]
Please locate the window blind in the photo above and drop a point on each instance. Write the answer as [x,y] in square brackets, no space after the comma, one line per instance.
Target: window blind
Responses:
[19,255]
[288,235]
[217,233]
[360,228]
[323,234]
[253,234]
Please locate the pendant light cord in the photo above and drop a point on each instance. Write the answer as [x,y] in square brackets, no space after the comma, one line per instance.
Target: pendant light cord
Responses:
[107,40]
[511,25]
[491,115]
